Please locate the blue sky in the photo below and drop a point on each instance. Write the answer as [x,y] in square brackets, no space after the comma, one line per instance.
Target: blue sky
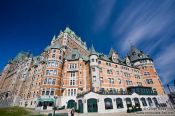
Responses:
[147,24]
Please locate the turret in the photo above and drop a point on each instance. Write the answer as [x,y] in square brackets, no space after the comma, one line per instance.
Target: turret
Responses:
[53,40]
[142,61]
[94,69]
[138,57]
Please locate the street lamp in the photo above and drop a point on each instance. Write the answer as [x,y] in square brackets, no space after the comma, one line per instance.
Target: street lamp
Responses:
[54,108]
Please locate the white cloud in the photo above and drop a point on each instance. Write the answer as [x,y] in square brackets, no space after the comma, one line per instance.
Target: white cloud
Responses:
[165,63]
[151,24]
[103,14]
[143,22]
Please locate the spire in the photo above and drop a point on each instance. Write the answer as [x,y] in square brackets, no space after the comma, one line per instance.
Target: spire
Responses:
[93,50]
[68,30]
[54,38]
[111,52]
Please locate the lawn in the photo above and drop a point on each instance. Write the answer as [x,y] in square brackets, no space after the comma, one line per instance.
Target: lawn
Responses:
[15,111]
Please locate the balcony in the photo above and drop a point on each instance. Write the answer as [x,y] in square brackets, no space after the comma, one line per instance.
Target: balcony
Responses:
[141,90]
[72,69]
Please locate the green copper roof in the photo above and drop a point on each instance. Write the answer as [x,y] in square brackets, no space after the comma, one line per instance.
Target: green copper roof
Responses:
[21,55]
[136,54]
[54,38]
[47,48]
[68,30]
[74,55]
[92,50]
[56,46]
[45,99]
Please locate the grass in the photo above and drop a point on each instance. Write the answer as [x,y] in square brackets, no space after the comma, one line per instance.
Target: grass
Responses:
[15,111]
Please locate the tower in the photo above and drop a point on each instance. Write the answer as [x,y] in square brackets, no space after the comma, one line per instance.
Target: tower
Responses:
[145,63]
[94,69]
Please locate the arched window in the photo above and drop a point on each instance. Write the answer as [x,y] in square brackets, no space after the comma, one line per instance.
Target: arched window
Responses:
[136,100]
[128,102]
[119,103]
[155,101]
[150,101]
[143,101]
[108,103]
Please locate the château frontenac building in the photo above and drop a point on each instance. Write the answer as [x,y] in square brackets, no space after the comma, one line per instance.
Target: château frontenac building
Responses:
[68,74]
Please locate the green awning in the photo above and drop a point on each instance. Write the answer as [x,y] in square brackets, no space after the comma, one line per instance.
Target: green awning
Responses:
[46,99]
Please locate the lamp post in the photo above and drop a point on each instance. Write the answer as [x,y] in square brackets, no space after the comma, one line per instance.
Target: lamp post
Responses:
[54,108]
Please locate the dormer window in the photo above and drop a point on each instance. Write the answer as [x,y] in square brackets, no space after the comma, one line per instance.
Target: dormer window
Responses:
[133,53]
[73,56]
[92,60]
[54,50]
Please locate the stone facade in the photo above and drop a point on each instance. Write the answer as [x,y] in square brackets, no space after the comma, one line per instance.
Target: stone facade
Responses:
[67,74]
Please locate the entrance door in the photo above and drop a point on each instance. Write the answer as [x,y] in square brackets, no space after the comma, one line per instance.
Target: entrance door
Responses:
[80,106]
[45,105]
[71,104]
[92,105]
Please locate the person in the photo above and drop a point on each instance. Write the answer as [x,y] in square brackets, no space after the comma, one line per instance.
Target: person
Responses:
[72,112]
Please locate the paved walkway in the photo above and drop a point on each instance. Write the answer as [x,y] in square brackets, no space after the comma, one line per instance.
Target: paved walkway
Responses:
[142,113]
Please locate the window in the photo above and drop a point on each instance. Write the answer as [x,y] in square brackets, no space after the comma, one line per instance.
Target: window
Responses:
[119,103]
[72,66]
[47,72]
[48,91]
[146,73]
[54,50]
[119,81]
[100,69]
[60,57]
[72,92]
[94,78]
[143,101]
[108,64]
[108,103]
[72,74]
[53,81]
[45,81]
[52,91]
[52,63]
[128,82]
[109,71]
[51,72]
[126,74]
[93,69]
[99,62]
[101,79]
[73,56]
[50,81]
[154,90]
[68,92]
[137,76]
[149,81]
[72,82]
[53,56]
[92,60]
[139,83]
[43,92]
[128,102]
[111,80]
